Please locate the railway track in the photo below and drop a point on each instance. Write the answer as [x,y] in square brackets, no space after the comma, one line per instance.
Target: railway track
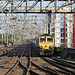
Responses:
[24,63]
[8,59]
[9,55]
[45,68]
[4,50]
[27,65]
[22,50]
[53,65]
[67,61]
[64,63]
[7,62]
[19,68]
[65,67]
[18,64]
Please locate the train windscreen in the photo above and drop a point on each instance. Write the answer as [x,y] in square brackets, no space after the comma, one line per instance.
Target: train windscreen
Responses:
[42,39]
[49,39]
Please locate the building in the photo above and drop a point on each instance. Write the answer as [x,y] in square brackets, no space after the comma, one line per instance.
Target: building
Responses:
[62,28]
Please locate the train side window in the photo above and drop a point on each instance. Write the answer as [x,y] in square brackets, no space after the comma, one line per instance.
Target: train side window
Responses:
[49,39]
[42,39]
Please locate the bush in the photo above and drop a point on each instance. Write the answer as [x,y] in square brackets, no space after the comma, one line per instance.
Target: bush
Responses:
[61,51]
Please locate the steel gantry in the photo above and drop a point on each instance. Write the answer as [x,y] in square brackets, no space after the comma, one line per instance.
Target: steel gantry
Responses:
[36,6]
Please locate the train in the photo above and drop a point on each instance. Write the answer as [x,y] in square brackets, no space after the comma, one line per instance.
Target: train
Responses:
[45,44]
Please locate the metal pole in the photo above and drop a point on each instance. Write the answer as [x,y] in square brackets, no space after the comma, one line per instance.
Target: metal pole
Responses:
[12,6]
[65,27]
[71,33]
[74,30]
[20,37]
[41,6]
[55,6]
[26,5]
[12,37]
[55,29]
[71,7]
[7,38]
[2,36]
[49,23]
[6,31]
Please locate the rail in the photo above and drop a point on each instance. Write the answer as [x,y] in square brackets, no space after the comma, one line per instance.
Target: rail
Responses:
[29,61]
[64,63]
[15,64]
[45,70]
[58,65]
[12,68]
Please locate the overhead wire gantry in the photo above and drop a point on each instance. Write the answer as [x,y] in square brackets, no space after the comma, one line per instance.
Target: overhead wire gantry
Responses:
[36,6]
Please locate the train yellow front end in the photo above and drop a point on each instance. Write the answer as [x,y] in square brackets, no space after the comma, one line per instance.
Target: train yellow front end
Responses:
[46,44]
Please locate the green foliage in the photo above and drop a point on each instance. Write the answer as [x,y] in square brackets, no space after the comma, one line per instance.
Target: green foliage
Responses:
[61,52]
[63,45]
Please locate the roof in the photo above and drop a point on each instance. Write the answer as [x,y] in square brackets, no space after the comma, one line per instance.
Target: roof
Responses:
[46,35]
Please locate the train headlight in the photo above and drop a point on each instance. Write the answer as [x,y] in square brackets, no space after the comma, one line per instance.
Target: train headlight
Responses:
[51,47]
[45,45]
[40,47]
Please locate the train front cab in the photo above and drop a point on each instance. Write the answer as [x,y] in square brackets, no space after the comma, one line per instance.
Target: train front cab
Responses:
[46,45]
